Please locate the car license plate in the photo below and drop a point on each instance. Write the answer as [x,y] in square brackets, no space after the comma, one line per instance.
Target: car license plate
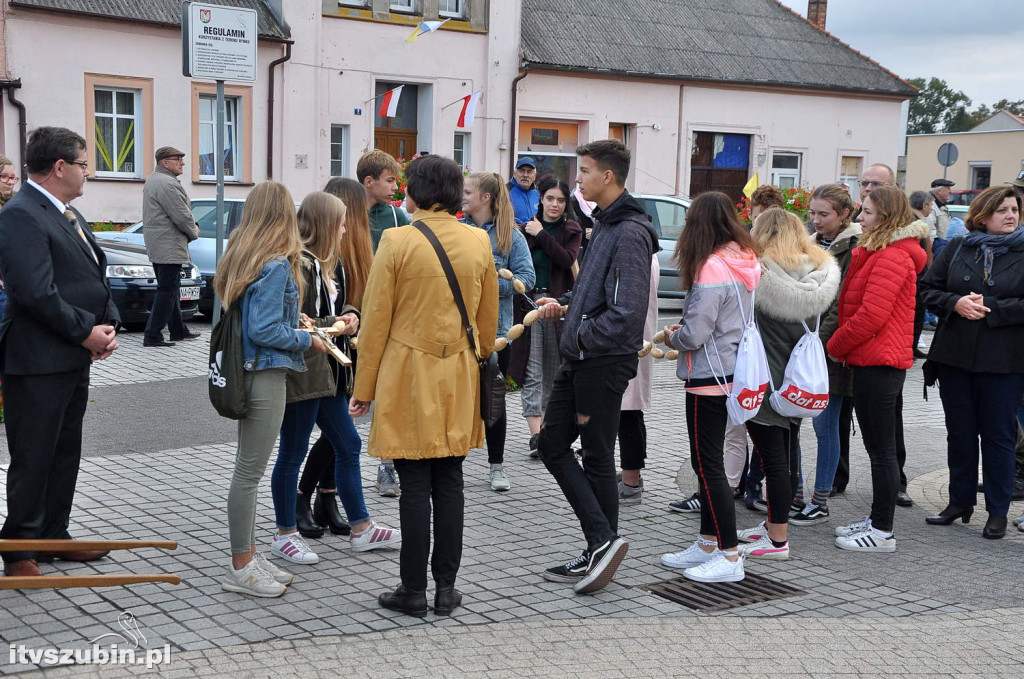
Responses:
[190,293]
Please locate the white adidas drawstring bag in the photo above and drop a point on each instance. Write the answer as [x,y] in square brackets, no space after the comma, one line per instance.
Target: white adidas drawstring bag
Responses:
[804,388]
[750,377]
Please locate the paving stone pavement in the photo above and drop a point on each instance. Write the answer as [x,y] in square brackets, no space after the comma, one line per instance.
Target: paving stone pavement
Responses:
[859,615]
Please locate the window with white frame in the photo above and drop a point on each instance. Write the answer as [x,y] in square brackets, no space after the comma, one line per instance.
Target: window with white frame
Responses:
[452,8]
[118,126]
[849,174]
[461,150]
[208,138]
[406,6]
[339,150]
[786,170]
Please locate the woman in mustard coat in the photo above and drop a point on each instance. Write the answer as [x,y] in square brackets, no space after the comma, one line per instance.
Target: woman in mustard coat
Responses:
[416,363]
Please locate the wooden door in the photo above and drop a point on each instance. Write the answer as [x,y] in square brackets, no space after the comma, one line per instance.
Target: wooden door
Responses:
[719,162]
[399,143]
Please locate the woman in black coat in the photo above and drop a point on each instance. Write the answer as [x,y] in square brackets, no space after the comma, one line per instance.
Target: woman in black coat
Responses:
[976,286]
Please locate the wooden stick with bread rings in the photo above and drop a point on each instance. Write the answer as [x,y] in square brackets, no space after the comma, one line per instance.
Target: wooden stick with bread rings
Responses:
[326,338]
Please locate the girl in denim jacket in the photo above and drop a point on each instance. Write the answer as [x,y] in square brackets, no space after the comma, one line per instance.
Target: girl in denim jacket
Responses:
[486,205]
[260,271]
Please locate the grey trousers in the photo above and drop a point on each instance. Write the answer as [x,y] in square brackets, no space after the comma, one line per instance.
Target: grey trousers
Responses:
[541,368]
[256,436]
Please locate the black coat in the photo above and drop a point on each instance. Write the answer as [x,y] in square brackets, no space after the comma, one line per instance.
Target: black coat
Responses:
[56,292]
[994,344]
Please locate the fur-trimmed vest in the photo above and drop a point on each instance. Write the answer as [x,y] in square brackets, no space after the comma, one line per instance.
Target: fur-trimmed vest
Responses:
[784,299]
[876,305]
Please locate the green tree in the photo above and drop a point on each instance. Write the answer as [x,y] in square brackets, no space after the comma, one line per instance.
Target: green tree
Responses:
[937,108]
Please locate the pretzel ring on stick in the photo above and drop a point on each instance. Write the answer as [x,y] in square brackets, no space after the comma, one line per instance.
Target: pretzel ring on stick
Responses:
[516,331]
[506,274]
[645,350]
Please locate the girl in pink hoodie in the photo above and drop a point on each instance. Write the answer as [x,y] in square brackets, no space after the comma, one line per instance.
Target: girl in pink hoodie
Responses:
[715,256]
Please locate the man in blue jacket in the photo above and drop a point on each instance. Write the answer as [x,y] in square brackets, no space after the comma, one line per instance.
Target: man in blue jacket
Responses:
[522,192]
[602,334]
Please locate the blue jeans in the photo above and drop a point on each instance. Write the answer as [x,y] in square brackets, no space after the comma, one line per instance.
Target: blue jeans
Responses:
[826,428]
[331,415]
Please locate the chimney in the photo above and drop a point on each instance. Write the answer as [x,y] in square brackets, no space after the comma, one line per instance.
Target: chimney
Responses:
[816,10]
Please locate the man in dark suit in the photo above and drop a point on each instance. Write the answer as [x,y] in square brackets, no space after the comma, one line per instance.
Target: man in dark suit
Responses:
[58,319]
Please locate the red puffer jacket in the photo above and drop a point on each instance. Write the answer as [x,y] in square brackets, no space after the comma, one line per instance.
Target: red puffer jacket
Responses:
[876,305]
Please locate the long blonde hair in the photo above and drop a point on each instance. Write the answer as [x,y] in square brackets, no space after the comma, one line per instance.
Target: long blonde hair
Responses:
[268,230]
[894,213]
[320,218]
[783,239]
[356,246]
[502,215]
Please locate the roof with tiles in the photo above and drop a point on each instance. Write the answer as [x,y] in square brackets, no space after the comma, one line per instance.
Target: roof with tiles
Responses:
[166,12]
[759,42]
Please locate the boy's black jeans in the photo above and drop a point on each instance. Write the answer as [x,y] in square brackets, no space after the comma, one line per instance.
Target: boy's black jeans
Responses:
[585,402]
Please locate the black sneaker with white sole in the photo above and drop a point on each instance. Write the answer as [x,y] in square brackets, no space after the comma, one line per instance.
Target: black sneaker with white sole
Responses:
[571,571]
[534,452]
[602,562]
[810,515]
[690,505]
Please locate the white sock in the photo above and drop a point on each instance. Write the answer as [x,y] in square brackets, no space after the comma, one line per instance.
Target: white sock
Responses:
[881,533]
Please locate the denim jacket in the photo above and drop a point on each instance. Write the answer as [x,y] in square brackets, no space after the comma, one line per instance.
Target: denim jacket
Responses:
[270,314]
[518,260]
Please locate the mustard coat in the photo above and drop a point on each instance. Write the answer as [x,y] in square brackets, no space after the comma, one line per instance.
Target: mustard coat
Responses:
[427,395]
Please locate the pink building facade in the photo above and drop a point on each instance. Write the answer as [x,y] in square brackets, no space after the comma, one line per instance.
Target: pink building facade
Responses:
[120,85]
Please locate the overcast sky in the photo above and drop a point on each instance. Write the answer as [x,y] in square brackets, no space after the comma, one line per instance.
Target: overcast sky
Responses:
[977,46]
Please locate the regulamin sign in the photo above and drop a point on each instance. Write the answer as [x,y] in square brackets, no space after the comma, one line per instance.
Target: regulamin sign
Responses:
[218,42]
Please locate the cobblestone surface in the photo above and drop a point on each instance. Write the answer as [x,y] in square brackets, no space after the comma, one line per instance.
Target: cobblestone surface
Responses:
[862,614]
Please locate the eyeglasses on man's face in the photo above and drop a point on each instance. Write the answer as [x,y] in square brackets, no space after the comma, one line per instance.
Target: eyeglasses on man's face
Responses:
[81,163]
[865,183]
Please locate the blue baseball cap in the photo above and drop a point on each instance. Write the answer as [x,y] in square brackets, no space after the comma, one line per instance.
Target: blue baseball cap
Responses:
[526,160]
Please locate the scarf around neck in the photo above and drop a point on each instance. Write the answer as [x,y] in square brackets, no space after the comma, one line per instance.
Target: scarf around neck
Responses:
[994,244]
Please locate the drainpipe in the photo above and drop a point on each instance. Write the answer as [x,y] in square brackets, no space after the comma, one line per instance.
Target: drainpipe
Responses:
[524,71]
[680,145]
[10,86]
[270,108]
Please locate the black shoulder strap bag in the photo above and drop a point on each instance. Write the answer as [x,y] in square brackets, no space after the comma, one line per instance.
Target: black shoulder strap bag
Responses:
[492,381]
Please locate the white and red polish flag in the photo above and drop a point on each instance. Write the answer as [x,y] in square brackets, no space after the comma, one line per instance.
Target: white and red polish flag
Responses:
[389,102]
[468,114]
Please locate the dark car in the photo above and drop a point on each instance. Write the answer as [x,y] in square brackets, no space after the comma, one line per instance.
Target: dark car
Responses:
[133,283]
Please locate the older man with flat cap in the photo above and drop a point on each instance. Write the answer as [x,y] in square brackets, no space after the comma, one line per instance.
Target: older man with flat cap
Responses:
[169,229]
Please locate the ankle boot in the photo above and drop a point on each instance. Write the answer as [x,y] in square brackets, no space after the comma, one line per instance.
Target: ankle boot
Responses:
[405,601]
[446,599]
[995,527]
[325,513]
[308,527]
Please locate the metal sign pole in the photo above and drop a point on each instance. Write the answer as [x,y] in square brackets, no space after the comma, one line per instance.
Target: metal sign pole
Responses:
[218,137]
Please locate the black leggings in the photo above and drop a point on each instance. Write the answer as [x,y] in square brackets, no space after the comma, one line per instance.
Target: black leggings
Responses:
[776,448]
[877,399]
[706,417]
[319,469]
[632,439]
[496,435]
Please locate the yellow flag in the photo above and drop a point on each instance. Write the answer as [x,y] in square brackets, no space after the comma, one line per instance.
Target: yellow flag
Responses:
[751,186]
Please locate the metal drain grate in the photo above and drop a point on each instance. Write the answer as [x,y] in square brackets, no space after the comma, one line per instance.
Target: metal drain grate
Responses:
[711,597]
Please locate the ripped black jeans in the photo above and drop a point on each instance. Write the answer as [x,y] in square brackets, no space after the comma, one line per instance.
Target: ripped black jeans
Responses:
[593,394]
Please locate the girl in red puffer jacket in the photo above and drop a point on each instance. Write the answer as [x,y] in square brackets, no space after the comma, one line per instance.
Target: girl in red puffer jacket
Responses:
[875,337]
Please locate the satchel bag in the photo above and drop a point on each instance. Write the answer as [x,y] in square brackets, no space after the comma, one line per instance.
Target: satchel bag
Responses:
[492,381]
[229,393]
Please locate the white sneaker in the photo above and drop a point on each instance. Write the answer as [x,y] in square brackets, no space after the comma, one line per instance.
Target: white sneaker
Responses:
[752,534]
[717,569]
[688,558]
[1019,521]
[498,478]
[855,527]
[867,540]
[764,549]
[253,580]
[292,547]
[279,574]
[375,537]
